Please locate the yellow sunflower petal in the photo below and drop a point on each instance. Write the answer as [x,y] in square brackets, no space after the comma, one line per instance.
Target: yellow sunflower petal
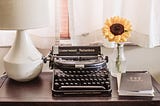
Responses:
[111,36]
[123,39]
[111,40]
[115,19]
[127,35]
[128,26]
[117,38]
[109,22]
[126,23]
[123,21]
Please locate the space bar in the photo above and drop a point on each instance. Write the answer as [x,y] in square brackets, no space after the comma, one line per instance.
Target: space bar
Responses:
[82,87]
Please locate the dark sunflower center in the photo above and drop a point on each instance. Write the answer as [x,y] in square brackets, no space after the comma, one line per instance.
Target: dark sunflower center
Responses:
[117,29]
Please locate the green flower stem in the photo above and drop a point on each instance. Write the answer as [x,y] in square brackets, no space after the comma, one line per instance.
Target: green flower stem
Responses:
[118,62]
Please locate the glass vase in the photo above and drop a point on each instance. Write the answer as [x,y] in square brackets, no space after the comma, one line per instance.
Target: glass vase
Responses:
[118,60]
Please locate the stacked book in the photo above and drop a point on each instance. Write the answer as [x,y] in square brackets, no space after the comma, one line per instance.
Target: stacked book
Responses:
[135,84]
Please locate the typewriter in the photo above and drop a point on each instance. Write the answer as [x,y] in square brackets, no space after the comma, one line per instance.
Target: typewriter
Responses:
[79,70]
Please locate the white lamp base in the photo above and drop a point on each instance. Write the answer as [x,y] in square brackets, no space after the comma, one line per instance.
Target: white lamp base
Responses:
[23,61]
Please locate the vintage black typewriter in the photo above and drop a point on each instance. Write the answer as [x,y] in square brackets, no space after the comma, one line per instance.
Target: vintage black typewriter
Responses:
[79,70]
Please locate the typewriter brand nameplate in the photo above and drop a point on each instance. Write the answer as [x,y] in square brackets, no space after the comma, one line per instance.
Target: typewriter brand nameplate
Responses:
[79,66]
[79,50]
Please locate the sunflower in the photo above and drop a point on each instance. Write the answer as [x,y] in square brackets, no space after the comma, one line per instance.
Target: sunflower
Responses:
[117,29]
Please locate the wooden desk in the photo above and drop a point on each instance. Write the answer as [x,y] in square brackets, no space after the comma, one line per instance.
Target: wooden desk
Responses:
[38,93]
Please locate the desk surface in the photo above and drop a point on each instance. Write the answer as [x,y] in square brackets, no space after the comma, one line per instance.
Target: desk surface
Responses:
[38,92]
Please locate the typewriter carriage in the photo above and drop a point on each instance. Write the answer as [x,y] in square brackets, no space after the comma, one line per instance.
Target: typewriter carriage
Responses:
[73,53]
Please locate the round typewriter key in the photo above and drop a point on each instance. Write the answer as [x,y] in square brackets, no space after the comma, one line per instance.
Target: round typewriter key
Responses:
[95,79]
[93,83]
[75,83]
[82,79]
[87,72]
[74,72]
[100,79]
[66,83]
[60,80]
[72,76]
[63,76]
[65,71]
[73,79]
[83,72]
[86,79]
[88,83]
[84,83]
[102,83]
[78,79]
[62,84]
[91,79]
[56,84]
[98,83]
[85,75]
[69,79]
[98,75]
[56,80]
[89,75]
[71,83]
[93,75]
[59,75]
[105,72]
[107,82]
[70,72]
[81,75]
[64,79]
[76,76]
[102,75]
[67,75]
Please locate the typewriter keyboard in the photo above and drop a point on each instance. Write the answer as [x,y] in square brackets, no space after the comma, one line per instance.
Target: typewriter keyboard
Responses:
[82,81]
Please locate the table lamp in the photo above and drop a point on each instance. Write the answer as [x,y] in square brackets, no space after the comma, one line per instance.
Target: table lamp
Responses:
[23,62]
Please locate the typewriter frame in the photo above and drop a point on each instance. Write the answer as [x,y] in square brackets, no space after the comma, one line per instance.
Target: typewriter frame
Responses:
[94,59]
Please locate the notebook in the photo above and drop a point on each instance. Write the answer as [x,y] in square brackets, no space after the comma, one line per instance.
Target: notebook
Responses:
[135,84]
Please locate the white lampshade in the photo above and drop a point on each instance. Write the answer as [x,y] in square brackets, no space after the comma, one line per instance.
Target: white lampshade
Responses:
[23,14]
[23,61]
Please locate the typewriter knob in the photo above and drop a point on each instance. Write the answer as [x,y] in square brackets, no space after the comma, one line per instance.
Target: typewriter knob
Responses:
[51,64]
[44,59]
[106,58]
